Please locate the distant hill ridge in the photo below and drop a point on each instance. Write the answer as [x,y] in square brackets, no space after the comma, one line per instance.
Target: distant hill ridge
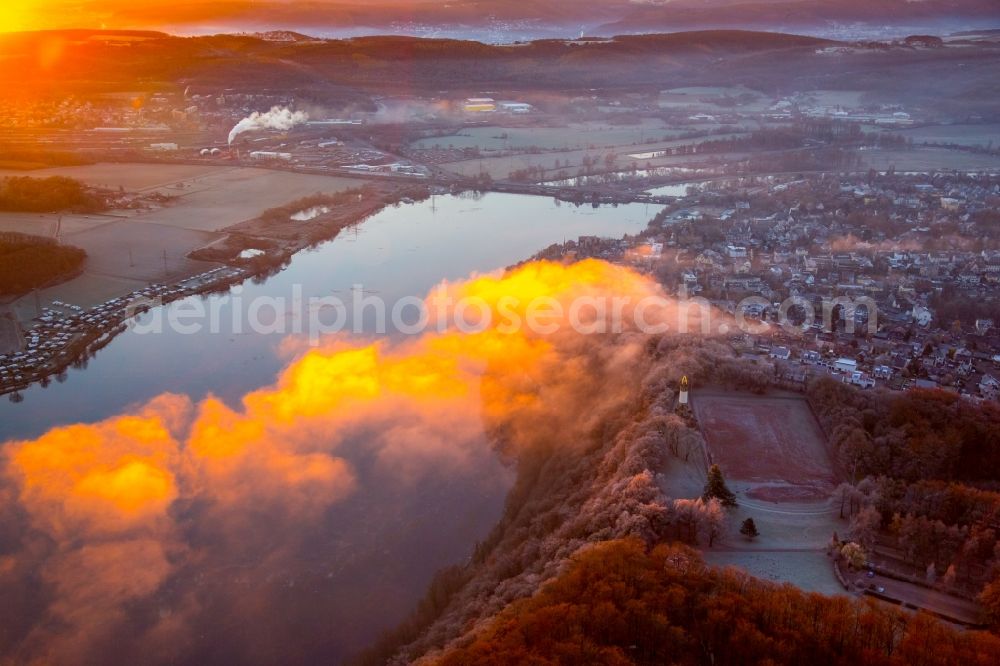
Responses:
[687,15]
[571,15]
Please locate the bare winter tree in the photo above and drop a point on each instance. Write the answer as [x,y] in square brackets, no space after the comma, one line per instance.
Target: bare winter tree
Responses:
[865,526]
[711,518]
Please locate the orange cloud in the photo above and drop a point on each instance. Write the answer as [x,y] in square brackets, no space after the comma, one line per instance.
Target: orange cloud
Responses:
[129,504]
[104,478]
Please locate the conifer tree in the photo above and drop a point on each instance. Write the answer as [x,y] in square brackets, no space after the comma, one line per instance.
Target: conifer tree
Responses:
[749,529]
[716,487]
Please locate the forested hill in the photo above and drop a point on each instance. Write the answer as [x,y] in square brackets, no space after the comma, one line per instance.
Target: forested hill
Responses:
[75,61]
[622,603]
[805,14]
[349,73]
[586,564]
[567,15]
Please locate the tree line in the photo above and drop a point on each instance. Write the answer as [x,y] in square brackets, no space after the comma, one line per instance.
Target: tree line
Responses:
[23,194]
[929,468]
[622,603]
[28,262]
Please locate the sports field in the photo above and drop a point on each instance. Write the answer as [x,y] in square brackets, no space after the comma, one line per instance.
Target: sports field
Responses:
[770,447]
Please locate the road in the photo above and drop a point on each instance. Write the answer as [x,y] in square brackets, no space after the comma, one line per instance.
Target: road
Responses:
[916,596]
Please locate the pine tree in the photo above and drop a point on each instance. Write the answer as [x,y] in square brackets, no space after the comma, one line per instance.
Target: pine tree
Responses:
[749,529]
[716,487]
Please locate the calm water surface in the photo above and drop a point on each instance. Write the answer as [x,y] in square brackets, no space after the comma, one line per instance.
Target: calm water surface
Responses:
[401,251]
[372,556]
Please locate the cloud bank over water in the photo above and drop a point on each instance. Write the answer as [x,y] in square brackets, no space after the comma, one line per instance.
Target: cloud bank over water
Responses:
[116,532]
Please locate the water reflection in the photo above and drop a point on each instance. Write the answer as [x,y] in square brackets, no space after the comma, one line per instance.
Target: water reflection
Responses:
[401,251]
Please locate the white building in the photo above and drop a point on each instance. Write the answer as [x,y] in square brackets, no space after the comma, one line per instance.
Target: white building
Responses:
[736,251]
[516,107]
[845,365]
[989,387]
[781,353]
[269,155]
[921,315]
[811,357]
[859,378]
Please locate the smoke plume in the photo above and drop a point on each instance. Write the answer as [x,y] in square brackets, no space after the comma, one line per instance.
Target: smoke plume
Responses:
[278,118]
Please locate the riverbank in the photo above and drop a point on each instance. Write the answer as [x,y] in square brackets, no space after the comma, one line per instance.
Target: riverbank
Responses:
[66,335]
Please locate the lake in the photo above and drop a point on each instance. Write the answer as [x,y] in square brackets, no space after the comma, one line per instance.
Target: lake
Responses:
[373,554]
[401,251]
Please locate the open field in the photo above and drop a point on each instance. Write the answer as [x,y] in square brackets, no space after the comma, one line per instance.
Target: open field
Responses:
[929,159]
[833,99]
[86,290]
[129,249]
[145,252]
[962,135]
[809,570]
[771,447]
[703,99]
[49,224]
[793,535]
[572,161]
[230,196]
[123,254]
[132,177]
[572,136]
[9,339]
[776,460]
[204,198]
[920,159]
[27,223]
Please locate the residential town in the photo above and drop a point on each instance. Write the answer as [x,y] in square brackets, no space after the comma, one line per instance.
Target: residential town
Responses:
[919,253]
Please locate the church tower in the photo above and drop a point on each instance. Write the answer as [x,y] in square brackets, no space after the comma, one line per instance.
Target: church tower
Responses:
[683,397]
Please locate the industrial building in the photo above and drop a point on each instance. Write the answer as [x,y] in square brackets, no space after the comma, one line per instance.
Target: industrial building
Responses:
[516,107]
[480,105]
[269,155]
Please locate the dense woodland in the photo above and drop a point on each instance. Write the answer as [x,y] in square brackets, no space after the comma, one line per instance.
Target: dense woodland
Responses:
[622,603]
[926,466]
[27,262]
[918,435]
[952,306]
[24,194]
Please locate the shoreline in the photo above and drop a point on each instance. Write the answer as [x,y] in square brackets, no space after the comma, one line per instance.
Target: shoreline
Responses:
[86,332]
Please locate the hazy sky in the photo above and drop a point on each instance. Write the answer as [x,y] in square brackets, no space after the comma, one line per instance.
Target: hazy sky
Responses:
[40,14]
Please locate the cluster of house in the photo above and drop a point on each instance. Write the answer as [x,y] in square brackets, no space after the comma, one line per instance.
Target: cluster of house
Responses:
[870,271]
[882,363]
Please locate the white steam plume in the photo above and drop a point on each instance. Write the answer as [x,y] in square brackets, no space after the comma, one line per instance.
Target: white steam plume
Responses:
[278,118]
